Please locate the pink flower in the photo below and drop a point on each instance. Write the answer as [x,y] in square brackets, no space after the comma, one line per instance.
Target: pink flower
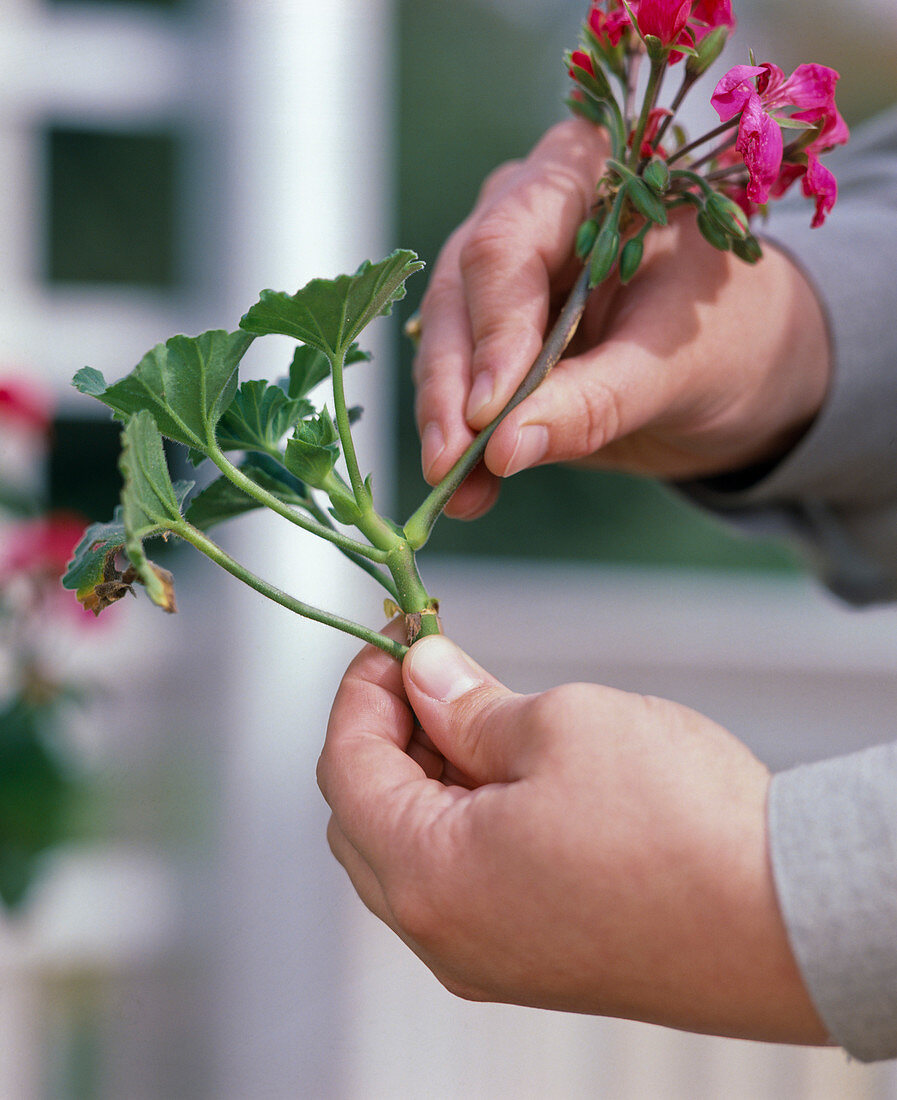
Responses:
[664,19]
[39,547]
[706,15]
[759,93]
[608,26]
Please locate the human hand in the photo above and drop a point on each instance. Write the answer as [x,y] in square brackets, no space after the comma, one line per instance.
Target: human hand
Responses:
[702,364]
[582,849]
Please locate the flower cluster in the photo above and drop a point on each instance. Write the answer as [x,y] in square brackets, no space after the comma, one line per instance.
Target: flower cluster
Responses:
[759,96]
[728,174]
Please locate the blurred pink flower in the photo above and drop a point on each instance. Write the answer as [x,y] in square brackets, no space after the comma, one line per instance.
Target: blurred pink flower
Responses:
[35,552]
[24,404]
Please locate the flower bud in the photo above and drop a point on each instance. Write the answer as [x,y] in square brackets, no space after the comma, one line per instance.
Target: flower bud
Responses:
[586,70]
[657,175]
[604,254]
[585,237]
[645,201]
[712,233]
[657,51]
[727,215]
[706,52]
[748,249]
[630,258]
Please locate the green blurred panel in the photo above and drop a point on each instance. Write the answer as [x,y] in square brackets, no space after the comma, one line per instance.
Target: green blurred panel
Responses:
[112,207]
[475,90]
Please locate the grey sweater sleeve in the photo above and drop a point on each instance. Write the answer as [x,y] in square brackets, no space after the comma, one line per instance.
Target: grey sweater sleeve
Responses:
[835,494]
[833,825]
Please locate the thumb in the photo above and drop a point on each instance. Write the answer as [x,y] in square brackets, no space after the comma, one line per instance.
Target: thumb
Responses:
[471,718]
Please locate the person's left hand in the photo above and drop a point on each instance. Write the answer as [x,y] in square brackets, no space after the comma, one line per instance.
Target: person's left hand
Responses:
[582,849]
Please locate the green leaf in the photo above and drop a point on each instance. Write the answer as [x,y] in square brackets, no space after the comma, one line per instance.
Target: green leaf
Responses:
[93,563]
[328,314]
[311,366]
[150,505]
[312,452]
[92,573]
[187,383]
[222,500]
[259,416]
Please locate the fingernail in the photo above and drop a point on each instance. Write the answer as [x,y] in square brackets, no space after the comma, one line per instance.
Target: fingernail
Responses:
[481,394]
[439,669]
[432,444]
[532,446]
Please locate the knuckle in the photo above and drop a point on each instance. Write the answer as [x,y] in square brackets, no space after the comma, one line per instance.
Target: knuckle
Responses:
[497,179]
[601,417]
[487,243]
[415,911]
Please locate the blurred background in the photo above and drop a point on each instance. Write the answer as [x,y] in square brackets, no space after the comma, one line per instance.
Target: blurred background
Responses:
[174,925]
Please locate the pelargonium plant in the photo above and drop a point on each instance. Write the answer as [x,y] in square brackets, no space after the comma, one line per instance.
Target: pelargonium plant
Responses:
[275,448]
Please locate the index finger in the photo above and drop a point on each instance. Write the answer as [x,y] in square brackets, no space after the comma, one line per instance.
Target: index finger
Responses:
[483,320]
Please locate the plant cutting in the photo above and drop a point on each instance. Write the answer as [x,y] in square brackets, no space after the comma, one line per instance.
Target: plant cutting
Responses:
[275,447]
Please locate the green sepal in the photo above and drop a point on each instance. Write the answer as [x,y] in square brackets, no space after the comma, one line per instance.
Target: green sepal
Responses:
[311,366]
[630,258]
[657,51]
[344,509]
[614,57]
[328,314]
[707,51]
[585,237]
[595,85]
[588,109]
[186,383]
[604,254]
[747,249]
[222,500]
[727,215]
[259,416]
[312,451]
[657,175]
[645,201]
[712,233]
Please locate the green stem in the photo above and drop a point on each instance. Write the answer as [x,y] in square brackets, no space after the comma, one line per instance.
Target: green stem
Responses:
[251,489]
[709,136]
[345,430]
[212,550]
[420,524]
[413,597]
[654,81]
[688,82]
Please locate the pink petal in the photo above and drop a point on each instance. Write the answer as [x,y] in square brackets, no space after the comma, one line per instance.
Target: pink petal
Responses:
[760,143]
[665,19]
[707,14]
[819,183]
[808,86]
[733,91]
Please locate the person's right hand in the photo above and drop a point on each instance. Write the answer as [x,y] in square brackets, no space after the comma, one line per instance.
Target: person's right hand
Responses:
[701,365]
